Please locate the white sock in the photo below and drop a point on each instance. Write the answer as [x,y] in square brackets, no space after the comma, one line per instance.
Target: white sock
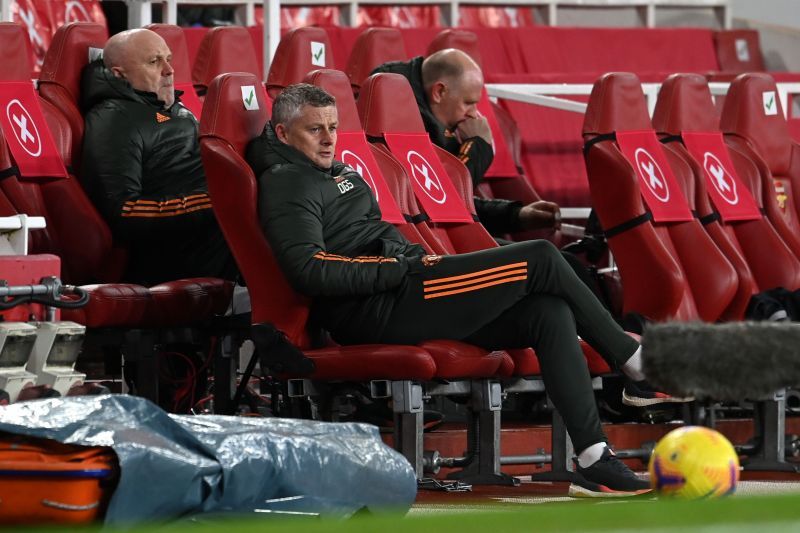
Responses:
[633,366]
[592,454]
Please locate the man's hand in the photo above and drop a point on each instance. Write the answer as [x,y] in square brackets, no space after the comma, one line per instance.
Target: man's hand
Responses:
[474,127]
[540,215]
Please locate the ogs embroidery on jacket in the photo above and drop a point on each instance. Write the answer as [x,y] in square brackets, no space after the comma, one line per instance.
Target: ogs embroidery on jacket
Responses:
[343,183]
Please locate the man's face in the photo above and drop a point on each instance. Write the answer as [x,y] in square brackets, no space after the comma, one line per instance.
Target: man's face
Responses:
[313,132]
[454,101]
[146,66]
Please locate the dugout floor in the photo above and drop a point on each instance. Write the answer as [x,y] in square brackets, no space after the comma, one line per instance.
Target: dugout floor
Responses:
[519,439]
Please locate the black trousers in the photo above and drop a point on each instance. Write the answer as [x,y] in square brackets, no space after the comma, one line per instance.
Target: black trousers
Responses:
[517,296]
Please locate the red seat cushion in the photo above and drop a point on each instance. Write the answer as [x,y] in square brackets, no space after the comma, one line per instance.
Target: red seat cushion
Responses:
[187,301]
[372,361]
[112,305]
[456,359]
[506,368]
[525,362]
[596,363]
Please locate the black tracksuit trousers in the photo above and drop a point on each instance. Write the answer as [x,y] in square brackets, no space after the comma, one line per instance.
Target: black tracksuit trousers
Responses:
[517,296]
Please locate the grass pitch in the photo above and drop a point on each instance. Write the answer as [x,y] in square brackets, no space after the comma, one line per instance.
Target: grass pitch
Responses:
[752,513]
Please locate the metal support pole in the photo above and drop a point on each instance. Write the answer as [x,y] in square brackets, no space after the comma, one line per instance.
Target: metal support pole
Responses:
[140,13]
[770,420]
[408,417]
[483,437]
[272,32]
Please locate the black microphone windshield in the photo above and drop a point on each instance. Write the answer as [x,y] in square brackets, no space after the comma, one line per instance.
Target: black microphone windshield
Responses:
[722,361]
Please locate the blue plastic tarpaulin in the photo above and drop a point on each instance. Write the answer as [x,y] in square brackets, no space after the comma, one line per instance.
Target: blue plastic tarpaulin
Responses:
[179,465]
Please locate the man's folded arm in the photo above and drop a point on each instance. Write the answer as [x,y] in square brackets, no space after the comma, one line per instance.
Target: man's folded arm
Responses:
[292,222]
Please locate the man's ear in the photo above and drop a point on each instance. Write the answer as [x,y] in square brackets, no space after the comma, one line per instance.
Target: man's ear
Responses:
[280,131]
[117,72]
[438,90]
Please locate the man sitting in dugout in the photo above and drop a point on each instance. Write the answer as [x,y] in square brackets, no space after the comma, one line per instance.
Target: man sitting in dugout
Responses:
[141,164]
[447,87]
[370,285]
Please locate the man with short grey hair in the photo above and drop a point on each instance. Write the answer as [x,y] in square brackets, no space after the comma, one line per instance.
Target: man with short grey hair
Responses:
[368,284]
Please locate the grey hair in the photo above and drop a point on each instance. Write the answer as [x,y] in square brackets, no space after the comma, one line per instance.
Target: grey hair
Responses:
[290,101]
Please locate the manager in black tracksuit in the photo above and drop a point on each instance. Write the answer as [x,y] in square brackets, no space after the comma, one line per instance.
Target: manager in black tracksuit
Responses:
[370,285]
[141,164]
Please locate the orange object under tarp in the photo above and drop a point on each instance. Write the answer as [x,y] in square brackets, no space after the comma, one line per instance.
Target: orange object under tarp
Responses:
[43,481]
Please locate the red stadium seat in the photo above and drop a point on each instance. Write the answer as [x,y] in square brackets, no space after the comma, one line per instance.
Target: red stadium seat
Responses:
[176,41]
[669,270]
[224,49]
[739,51]
[300,51]
[761,258]
[753,123]
[374,47]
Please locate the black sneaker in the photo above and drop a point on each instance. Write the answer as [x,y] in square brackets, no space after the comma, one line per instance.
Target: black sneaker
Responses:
[642,394]
[608,477]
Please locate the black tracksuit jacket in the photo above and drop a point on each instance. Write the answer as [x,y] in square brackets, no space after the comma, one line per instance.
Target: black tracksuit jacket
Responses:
[141,167]
[498,216]
[325,228]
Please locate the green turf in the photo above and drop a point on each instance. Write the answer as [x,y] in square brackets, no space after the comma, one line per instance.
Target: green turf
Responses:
[764,513]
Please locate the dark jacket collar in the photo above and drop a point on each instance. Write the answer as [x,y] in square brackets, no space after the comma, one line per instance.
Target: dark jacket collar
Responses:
[99,84]
[267,151]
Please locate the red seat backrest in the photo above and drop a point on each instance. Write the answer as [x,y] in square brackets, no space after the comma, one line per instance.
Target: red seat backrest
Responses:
[753,122]
[374,47]
[669,270]
[300,51]
[739,51]
[60,79]
[466,41]
[224,49]
[225,130]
